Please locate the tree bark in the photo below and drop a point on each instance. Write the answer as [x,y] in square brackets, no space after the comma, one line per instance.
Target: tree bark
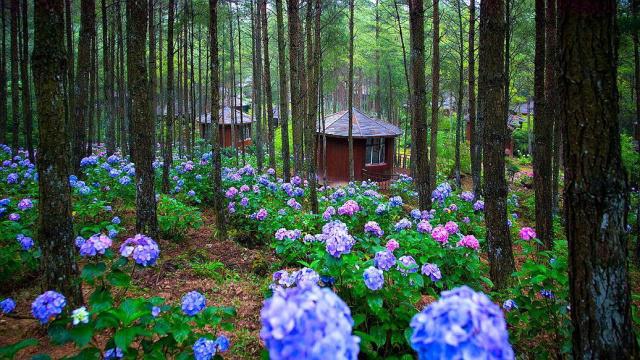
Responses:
[216,174]
[55,231]
[267,85]
[459,110]
[3,78]
[543,136]
[297,111]
[350,92]
[71,85]
[258,82]
[283,109]
[475,144]
[15,96]
[26,85]
[491,90]
[418,99]
[168,140]
[435,95]
[153,78]
[595,182]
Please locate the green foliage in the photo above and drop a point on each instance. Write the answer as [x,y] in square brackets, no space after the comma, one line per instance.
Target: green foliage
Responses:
[175,218]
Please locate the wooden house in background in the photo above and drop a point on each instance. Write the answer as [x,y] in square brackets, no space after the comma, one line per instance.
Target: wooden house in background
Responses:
[373,146]
[226,122]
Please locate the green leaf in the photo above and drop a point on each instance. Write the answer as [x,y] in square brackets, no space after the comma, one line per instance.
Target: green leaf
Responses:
[119,278]
[487,281]
[379,335]
[100,300]
[59,334]
[40,357]
[375,303]
[81,334]
[92,271]
[9,351]
[538,279]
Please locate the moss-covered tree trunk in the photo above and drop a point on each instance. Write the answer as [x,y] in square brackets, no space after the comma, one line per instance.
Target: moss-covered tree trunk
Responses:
[491,99]
[595,182]
[55,230]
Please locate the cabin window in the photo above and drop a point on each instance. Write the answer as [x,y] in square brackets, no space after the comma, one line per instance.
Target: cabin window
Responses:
[375,153]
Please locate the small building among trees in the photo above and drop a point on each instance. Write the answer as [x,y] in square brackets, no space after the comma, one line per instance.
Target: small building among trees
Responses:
[373,146]
[230,123]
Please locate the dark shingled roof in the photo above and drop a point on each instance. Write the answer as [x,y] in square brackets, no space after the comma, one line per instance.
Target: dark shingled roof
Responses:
[227,119]
[363,126]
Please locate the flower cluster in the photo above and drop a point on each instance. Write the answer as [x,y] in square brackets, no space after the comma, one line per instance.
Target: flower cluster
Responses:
[432,271]
[206,349]
[527,233]
[7,305]
[193,302]
[142,248]
[407,265]
[373,228]
[350,207]
[48,306]
[403,224]
[96,244]
[283,233]
[469,241]
[463,324]
[308,323]
[384,260]
[337,239]
[373,278]
[25,242]
[440,234]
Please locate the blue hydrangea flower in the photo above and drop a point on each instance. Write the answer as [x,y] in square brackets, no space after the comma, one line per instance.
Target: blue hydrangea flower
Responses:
[25,242]
[115,220]
[395,201]
[12,178]
[204,349]
[306,277]
[373,228]
[509,305]
[337,238]
[48,306]
[547,294]
[193,303]
[373,278]
[463,324]
[142,249]
[125,180]
[7,305]
[416,214]
[308,323]
[381,209]
[25,204]
[113,353]
[384,260]
[222,343]
[403,224]
[407,265]
[432,271]
[96,244]
[155,311]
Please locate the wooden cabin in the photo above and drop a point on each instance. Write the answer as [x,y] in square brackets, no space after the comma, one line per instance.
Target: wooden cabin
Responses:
[241,125]
[373,146]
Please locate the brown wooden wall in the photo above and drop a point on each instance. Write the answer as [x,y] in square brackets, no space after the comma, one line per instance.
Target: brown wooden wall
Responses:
[338,158]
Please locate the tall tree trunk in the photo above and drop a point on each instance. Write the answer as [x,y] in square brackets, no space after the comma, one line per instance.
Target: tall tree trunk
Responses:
[26,86]
[283,108]
[313,59]
[475,145]
[418,104]
[242,125]
[122,90]
[543,137]
[153,78]
[87,28]
[267,85]
[168,141]
[491,90]
[635,10]
[595,192]
[258,79]
[350,92]
[108,85]
[216,174]
[297,111]
[141,119]
[378,102]
[435,94]
[71,68]
[91,106]
[507,58]
[3,78]
[55,231]
[459,110]
[15,97]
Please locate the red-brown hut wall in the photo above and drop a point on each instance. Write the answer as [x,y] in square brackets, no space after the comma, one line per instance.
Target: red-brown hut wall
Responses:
[338,158]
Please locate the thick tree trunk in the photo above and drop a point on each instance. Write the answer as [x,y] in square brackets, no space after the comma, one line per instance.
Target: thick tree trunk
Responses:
[418,99]
[218,200]
[283,109]
[267,85]
[297,111]
[543,136]
[15,97]
[87,28]
[141,119]
[491,90]
[459,116]
[3,77]
[258,82]
[350,92]
[313,70]
[595,181]
[435,95]
[168,140]
[475,145]
[55,231]
[71,68]
[244,160]
[26,85]
[122,90]
[153,78]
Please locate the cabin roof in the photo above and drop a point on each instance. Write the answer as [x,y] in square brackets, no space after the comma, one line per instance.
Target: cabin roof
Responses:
[363,126]
[226,118]
[524,108]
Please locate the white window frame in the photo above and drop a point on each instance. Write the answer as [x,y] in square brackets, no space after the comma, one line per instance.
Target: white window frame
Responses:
[375,151]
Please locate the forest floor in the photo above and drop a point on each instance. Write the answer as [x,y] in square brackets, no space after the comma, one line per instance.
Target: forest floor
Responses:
[227,273]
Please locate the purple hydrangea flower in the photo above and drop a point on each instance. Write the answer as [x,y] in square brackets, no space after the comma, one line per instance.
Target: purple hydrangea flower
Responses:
[308,323]
[451,227]
[350,207]
[432,271]
[231,192]
[14,217]
[392,245]
[469,241]
[403,224]
[467,196]
[527,233]
[155,311]
[231,208]
[193,303]
[48,306]
[25,204]
[142,248]
[328,213]
[424,227]
[25,242]
[7,305]
[462,324]
[466,220]
[96,244]
[509,305]
[373,278]
[440,234]
[261,214]
[416,214]
[441,192]
[478,205]
[294,204]
[244,202]
[407,265]
[384,260]
[337,238]
[306,277]
[373,228]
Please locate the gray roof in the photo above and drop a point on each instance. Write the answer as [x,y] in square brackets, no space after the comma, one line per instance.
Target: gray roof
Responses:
[363,126]
[524,108]
[227,119]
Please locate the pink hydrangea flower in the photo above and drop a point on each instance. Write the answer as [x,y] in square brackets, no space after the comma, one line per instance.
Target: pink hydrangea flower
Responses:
[350,207]
[469,241]
[440,234]
[392,245]
[451,227]
[424,227]
[527,233]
